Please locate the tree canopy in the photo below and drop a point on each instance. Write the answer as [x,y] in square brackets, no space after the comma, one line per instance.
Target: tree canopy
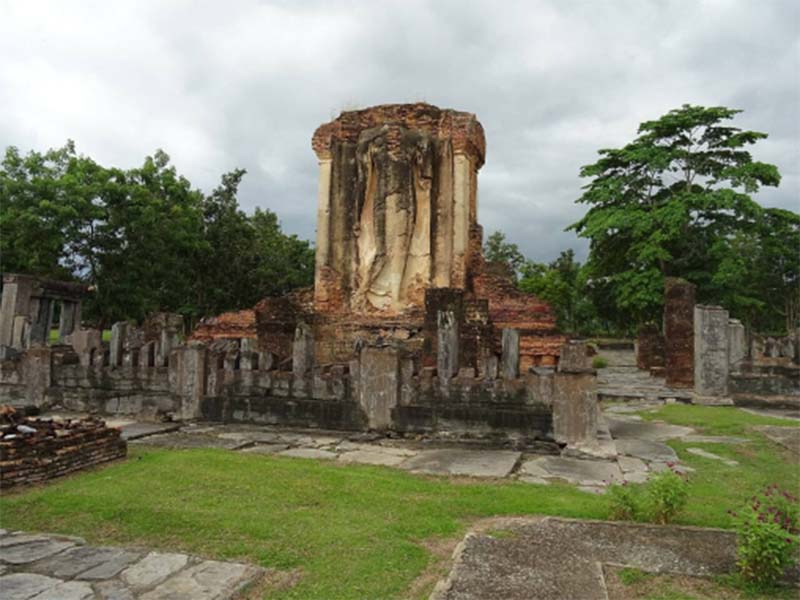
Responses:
[677,201]
[144,237]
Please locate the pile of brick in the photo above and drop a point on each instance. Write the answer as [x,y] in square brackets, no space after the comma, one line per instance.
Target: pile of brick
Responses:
[36,450]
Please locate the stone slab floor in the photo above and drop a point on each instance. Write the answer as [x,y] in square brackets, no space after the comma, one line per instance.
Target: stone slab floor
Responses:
[505,559]
[51,567]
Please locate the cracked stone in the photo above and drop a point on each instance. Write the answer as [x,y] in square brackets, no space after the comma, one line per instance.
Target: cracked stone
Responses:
[629,464]
[113,590]
[368,457]
[712,456]
[68,590]
[585,473]
[23,586]
[207,580]
[112,566]
[647,450]
[470,463]
[309,453]
[30,548]
[153,569]
[266,448]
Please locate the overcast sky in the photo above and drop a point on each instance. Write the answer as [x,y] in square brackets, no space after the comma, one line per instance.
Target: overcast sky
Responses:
[220,85]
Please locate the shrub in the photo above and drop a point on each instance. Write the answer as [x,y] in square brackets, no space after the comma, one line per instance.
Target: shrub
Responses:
[767,536]
[668,493]
[598,362]
[624,503]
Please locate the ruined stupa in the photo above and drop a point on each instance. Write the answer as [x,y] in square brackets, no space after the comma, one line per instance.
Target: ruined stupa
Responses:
[397,239]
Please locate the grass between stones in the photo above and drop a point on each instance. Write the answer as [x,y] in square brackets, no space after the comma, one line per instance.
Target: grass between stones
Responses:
[349,531]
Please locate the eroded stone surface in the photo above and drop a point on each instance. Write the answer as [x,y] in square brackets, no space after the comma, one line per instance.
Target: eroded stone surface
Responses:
[646,450]
[152,569]
[86,572]
[30,548]
[573,470]
[712,456]
[645,430]
[470,463]
[23,586]
[309,453]
[209,579]
[372,457]
[555,559]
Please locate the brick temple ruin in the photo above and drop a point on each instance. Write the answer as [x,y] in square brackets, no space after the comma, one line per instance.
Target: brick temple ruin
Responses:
[406,329]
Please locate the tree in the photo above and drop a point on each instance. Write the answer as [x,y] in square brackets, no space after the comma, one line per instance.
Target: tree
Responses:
[497,249]
[144,238]
[661,203]
[562,284]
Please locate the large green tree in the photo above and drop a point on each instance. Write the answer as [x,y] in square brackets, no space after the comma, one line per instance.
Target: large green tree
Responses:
[144,237]
[667,203]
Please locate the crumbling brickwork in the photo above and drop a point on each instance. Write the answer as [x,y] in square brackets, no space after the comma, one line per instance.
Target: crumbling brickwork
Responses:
[679,298]
[35,450]
[649,348]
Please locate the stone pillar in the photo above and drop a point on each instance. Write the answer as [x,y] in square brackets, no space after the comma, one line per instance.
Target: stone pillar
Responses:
[70,319]
[710,350]
[679,332]
[446,345]
[510,357]
[462,192]
[488,364]
[147,355]
[574,355]
[323,213]
[575,409]
[169,340]
[302,351]
[378,384]
[37,373]
[191,378]
[737,342]
[84,341]
[15,303]
[42,313]
[119,331]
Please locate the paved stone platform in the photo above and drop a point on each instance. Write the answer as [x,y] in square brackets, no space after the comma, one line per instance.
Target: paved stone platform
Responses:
[557,559]
[53,567]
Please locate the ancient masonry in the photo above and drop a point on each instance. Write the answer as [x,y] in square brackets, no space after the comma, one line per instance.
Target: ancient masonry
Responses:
[407,328]
[704,350]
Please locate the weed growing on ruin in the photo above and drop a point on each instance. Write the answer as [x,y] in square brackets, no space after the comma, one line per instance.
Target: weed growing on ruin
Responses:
[667,492]
[598,362]
[767,530]
[659,500]
[623,503]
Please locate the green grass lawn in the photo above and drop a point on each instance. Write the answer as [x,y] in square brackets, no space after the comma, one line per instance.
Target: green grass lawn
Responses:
[350,531]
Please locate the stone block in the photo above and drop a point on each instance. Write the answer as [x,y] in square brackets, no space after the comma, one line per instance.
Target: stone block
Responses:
[575,408]
[488,365]
[737,342]
[447,345]
[303,350]
[710,350]
[379,384]
[119,332]
[69,320]
[83,341]
[191,378]
[574,356]
[510,355]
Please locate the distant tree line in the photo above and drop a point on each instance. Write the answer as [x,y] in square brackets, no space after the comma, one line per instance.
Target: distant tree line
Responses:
[674,202]
[144,237]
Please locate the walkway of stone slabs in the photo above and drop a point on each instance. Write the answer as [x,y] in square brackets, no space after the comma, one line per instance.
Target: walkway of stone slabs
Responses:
[51,567]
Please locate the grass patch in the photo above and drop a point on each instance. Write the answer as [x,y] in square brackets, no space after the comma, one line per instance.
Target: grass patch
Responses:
[631,575]
[353,531]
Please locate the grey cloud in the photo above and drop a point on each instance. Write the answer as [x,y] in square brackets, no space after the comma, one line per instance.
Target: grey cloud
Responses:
[245,85]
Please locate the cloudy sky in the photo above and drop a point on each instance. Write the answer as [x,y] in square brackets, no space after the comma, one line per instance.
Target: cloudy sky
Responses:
[220,85]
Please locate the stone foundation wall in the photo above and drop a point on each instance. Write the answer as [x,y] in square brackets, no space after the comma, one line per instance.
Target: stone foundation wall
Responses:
[54,449]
